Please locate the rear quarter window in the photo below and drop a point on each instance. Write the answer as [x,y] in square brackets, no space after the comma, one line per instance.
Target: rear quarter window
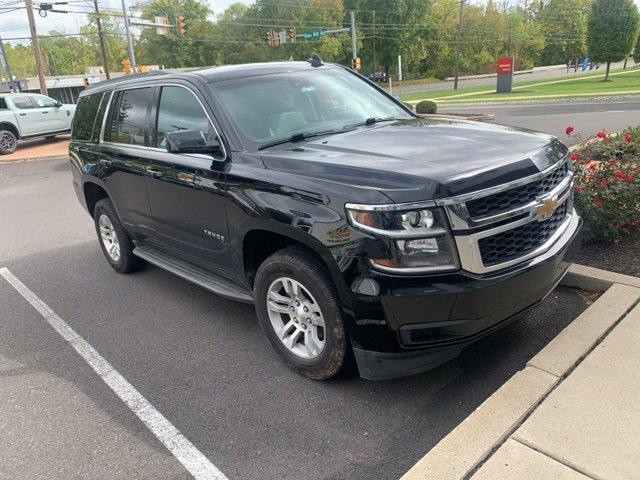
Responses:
[3,103]
[86,118]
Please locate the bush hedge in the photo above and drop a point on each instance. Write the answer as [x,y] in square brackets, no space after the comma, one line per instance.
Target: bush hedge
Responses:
[607,175]
[426,107]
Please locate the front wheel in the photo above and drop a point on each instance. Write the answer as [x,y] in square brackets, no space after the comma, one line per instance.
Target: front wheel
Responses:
[299,311]
[8,142]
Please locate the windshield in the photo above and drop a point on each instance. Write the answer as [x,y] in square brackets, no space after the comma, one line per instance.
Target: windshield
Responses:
[267,108]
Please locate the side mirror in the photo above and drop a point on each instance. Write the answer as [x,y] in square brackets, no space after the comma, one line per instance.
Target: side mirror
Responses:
[58,104]
[192,141]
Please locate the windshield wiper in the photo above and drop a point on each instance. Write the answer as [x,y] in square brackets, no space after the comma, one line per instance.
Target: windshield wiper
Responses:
[298,137]
[371,121]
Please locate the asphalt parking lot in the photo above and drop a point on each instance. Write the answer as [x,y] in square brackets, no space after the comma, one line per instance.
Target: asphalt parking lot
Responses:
[202,362]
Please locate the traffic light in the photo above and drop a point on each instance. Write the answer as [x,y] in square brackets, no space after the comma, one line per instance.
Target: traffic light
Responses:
[269,38]
[126,66]
[276,39]
[182,26]
[291,33]
[355,63]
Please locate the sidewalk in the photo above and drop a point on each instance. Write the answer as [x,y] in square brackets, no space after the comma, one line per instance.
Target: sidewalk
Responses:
[572,413]
[38,148]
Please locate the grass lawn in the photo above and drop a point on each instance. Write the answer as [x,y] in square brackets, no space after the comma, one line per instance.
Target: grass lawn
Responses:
[589,84]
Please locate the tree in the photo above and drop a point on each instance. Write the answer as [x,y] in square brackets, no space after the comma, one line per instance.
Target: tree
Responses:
[636,51]
[611,30]
[174,51]
[564,26]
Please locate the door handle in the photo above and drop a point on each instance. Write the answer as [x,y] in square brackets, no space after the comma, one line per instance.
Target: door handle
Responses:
[22,114]
[44,112]
[154,173]
[106,163]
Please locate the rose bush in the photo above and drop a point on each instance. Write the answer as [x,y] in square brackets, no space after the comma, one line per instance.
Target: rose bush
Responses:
[607,175]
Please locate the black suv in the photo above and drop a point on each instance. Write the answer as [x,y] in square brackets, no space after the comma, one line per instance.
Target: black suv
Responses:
[358,229]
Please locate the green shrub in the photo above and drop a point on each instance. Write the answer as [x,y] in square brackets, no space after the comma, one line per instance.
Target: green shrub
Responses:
[408,105]
[607,175]
[426,106]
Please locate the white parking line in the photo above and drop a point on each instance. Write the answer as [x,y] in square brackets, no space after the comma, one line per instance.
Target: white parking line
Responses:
[185,452]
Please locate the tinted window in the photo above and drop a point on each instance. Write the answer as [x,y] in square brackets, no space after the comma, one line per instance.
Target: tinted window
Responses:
[180,110]
[22,102]
[44,102]
[3,104]
[85,117]
[128,117]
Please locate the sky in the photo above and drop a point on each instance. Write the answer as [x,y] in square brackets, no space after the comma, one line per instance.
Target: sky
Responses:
[15,24]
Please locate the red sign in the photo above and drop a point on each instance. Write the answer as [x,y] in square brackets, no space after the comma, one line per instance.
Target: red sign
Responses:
[505,65]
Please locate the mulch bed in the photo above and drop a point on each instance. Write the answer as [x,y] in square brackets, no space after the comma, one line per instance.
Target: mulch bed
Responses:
[620,257]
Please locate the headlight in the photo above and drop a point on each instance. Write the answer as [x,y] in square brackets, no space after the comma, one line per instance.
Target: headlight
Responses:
[422,241]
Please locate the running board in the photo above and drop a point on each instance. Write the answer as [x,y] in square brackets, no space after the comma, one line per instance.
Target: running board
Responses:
[194,274]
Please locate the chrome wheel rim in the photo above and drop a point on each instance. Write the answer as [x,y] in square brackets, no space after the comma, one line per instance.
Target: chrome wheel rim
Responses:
[7,141]
[109,237]
[296,317]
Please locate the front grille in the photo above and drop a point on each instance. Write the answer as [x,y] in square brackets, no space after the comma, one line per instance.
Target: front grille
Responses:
[517,196]
[515,243]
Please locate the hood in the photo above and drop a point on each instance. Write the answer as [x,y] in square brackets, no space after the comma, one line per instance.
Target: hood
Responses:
[421,158]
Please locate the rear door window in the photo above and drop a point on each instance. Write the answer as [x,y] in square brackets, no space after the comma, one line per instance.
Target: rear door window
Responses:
[23,103]
[86,117]
[127,121]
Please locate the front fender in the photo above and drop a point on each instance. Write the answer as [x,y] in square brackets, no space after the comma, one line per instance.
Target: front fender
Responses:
[259,201]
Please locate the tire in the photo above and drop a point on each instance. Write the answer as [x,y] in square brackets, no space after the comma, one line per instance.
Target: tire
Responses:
[314,341]
[8,142]
[114,239]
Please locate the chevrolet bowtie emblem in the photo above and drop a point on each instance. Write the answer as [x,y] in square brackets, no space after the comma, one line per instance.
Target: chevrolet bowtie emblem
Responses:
[545,209]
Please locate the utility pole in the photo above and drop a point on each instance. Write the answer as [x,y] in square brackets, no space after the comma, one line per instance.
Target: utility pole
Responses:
[132,56]
[353,35]
[35,42]
[458,40]
[103,48]
[374,40]
[5,63]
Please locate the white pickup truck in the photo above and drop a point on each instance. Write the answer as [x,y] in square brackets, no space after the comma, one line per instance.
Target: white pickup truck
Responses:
[28,115]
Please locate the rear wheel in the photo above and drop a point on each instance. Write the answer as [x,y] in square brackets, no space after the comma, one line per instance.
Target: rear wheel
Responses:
[299,311]
[114,239]
[8,142]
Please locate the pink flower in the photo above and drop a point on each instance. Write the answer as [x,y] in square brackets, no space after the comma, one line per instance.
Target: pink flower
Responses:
[601,134]
[575,156]
[628,137]
[598,202]
[603,183]
[569,130]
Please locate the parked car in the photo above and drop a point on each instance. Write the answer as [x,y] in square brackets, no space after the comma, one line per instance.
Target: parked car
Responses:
[28,115]
[378,77]
[357,229]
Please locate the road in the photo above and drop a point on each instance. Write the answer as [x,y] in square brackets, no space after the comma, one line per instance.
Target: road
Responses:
[586,116]
[552,72]
[202,363]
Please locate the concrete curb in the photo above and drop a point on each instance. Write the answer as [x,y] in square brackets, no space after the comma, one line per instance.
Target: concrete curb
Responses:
[474,441]
[596,280]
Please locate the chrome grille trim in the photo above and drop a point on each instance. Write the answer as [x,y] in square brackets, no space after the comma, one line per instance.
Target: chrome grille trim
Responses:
[467,243]
[459,215]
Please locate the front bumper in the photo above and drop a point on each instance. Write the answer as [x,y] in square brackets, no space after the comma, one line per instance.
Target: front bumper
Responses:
[429,320]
